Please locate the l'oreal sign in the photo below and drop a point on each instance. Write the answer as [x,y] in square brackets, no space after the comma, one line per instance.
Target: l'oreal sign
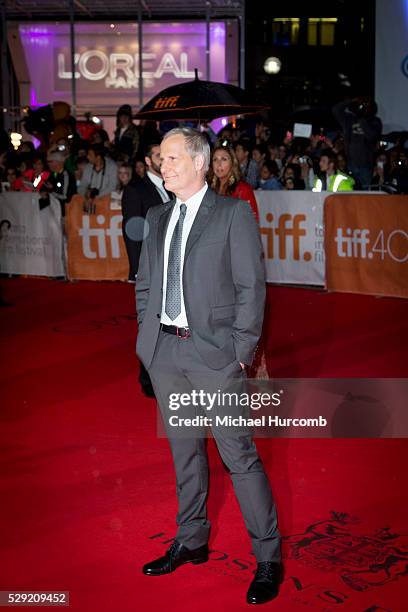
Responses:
[106,59]
[121,70]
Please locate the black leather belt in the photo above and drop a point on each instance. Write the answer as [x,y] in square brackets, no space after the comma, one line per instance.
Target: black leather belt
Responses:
[180,332]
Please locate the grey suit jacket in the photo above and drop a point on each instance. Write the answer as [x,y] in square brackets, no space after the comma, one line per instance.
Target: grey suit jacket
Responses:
[223,281]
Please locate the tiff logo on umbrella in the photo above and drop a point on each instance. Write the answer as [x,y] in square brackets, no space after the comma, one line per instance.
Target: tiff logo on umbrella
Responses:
[102,235]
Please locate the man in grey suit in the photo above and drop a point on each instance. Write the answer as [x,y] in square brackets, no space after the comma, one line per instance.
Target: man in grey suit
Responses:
[200,293]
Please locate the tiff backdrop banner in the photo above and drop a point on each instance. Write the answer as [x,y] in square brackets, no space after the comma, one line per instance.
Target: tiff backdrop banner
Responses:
[366,243]
[95,246]
[30,239]
[391,63]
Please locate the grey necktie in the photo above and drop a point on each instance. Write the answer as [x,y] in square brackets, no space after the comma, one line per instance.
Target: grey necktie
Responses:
[173,288]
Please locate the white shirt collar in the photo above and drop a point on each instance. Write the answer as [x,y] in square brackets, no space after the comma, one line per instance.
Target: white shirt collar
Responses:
[157,180]
[158,183]
[195,200]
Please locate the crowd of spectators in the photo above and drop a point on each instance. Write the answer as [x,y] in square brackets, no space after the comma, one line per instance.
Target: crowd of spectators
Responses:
[353,157]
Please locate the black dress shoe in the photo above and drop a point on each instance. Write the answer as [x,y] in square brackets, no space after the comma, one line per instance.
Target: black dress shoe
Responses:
[265,585]
[175,556]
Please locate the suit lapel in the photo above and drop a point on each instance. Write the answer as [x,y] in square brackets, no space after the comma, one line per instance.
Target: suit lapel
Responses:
[154,191]
[161,231]
[204,213]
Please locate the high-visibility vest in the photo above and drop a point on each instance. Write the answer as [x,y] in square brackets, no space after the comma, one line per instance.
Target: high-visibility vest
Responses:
[335,182]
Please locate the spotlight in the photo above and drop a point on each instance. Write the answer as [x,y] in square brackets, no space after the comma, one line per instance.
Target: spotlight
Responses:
[16,139]
[96,120]
[272,65]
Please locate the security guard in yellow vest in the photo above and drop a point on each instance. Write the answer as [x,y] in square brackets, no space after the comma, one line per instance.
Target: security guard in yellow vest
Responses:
[329,177]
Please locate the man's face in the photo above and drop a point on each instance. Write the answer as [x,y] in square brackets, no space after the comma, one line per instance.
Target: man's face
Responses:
[324,163]
[241,153]
[182,174]
[153,162]
[54,166]
[38,166]
[124,120]
[91,157]
[11,175]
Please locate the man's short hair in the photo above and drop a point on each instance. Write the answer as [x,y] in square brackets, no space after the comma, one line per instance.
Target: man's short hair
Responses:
[244,144]
[151,146]
[57,156]
[98,149]
[329,153]
[196,143]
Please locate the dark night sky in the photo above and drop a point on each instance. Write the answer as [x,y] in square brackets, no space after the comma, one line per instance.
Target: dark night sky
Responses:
[310,74]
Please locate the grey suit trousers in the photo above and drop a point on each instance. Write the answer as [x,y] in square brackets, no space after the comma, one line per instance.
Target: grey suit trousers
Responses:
[178,368]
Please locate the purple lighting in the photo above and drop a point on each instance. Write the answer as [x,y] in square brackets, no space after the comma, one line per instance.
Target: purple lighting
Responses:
[107,65]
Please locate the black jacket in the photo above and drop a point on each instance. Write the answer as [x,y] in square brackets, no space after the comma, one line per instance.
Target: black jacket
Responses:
[137,198]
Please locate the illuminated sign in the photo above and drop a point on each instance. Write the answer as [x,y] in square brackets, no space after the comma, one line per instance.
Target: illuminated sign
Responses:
[122,69]
[106,60]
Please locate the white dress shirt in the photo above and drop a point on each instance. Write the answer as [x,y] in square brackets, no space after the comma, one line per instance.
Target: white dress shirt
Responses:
[193,204]
[158,183]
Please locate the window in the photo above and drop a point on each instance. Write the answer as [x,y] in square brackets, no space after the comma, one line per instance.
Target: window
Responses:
[285,31]
[321,31]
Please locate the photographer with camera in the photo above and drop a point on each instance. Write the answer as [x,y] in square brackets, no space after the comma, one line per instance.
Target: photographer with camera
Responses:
[60,183]
[362,130]
[100,175]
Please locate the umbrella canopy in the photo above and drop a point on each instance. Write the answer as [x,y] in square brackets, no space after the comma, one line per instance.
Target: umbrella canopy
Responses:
[199,101]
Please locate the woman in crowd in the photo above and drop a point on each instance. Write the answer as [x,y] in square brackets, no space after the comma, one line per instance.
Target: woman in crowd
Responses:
[124,177]
[10,178]
[381,170]
[293,171]
[225,177]
[140,167]
[269,177]
[34,178]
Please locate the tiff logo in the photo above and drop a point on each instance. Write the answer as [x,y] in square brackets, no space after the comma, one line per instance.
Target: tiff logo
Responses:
[354,243]
[112,233]
[288,231]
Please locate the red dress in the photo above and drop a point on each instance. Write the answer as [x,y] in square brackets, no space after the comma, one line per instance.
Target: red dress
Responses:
[29,178]
[244,191]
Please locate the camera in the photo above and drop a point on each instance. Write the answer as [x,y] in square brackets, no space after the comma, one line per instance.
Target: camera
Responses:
[93,193]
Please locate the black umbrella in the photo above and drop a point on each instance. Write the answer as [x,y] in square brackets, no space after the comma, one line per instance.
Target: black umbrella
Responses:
[199,101]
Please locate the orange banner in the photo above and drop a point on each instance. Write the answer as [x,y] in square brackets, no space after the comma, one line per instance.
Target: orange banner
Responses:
[96,250]
[366,244]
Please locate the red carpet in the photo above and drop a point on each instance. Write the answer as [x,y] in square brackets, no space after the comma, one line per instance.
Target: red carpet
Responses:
[88,492]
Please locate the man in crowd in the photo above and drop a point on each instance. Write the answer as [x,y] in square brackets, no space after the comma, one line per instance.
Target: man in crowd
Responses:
[362,130]
[137,198]
[329,177]
[249,167]
[60,183]
[100,174]
[127,135]
[200,296]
